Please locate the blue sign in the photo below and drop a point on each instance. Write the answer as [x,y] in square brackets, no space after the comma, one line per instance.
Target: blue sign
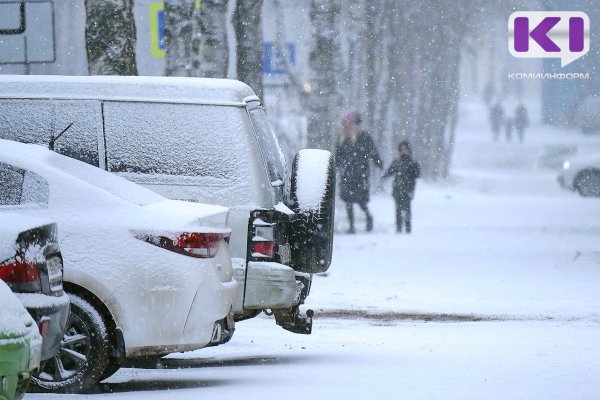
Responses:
[273,62]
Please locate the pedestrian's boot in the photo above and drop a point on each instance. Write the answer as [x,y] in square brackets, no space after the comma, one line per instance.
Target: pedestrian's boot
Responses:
[350,221]
[369,221]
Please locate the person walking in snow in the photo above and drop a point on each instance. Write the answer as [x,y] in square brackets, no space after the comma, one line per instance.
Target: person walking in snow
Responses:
[508,125]
[353,154]
[405,171]
[496,119]
[521,121]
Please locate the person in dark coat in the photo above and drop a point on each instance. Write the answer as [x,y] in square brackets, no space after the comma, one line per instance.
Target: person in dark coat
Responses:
[405,171]
[496,119]
[353,154]
[521,121]
[508,125]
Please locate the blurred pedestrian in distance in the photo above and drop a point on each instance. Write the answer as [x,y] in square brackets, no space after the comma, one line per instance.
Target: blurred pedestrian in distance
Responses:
[496,119]
[405,171]
[488,93]
[353,154]
[521,121]
[508,127]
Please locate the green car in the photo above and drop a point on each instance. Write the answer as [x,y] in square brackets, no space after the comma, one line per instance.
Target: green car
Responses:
[20,346]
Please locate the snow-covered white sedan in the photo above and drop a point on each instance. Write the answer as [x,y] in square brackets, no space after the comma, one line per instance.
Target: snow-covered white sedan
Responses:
[146,275]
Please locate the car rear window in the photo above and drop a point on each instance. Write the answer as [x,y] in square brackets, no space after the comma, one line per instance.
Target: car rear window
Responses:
[21,187]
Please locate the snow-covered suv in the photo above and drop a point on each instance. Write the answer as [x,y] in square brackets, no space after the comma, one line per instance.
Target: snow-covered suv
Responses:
[205,140]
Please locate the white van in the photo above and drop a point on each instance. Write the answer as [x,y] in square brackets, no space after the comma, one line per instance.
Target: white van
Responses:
[205,140]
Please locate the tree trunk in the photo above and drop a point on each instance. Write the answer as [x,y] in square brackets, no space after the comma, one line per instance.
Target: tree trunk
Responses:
[110,37]
[247,23]
[323,102]
[373,59]
[214,51]
[179,31]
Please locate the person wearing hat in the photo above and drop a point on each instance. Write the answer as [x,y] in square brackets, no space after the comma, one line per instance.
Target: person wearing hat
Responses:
[353,154]
[405,171]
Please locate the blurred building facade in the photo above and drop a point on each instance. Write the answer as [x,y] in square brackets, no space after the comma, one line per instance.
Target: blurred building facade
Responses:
[563,99]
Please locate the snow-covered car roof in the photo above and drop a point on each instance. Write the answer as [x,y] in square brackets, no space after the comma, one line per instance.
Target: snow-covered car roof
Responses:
[84,187]
[11,225]
[131,88]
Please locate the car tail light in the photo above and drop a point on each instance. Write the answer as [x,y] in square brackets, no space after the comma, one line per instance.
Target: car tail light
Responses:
[264,249]
[44,326]
[21,276]
[264,244]
[193,244]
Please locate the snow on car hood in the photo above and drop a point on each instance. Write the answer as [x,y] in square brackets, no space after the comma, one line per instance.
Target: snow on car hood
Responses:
[11,225]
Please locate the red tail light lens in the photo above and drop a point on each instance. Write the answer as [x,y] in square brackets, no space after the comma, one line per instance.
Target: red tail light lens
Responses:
[44,326]
[193,244]
[203,245]
[21,276]
[264,249]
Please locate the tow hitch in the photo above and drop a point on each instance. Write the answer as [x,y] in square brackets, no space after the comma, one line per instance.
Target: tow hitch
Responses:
[292,321]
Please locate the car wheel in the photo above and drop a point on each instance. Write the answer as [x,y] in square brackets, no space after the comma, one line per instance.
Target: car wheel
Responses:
[83,355]
[588,183]
[112,367]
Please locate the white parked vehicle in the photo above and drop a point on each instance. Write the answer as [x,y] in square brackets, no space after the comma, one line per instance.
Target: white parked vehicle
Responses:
[581,173]
[205,140]
[145,275]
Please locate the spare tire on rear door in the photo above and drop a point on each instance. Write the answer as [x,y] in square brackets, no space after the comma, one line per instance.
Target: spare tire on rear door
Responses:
[312,198]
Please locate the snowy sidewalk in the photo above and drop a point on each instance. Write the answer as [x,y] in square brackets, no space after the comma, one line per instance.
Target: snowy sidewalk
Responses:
[501,238]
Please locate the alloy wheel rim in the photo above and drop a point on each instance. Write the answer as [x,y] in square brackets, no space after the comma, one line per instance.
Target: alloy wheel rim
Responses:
[72,356]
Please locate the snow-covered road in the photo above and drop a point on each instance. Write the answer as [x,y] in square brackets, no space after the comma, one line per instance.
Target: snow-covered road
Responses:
[502,274]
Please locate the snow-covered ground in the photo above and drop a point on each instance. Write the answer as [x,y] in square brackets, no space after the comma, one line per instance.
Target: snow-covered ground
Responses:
[495,295]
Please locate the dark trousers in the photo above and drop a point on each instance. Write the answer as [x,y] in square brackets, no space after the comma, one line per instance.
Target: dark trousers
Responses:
[350,212]
[403,214]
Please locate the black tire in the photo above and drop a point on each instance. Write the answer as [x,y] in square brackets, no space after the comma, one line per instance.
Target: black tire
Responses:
[83,355]
[588,183]
[311,235]
[113,366]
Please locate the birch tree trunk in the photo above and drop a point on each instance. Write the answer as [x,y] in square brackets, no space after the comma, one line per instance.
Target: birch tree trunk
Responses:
[247,23]
[352,66]
[179,31]
[441,30]
[110,37]
[373,61]
[323,101]
[214,51]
